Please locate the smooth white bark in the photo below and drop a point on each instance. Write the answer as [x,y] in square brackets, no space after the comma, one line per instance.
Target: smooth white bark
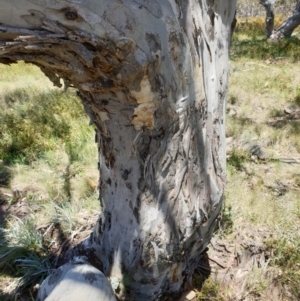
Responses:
[153,78]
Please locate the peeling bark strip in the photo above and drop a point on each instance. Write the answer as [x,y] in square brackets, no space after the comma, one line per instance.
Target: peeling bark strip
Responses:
[153,78]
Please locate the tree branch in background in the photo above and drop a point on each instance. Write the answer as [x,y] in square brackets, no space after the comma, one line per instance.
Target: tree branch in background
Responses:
[270,16]
[286,29]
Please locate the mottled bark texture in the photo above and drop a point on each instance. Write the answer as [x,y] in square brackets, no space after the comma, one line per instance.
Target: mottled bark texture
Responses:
[270,16]
[286,29]
[153,77]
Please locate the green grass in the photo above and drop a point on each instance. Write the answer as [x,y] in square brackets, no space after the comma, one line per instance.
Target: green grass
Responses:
[23,254]
[225,225]
[5,175]
[237,158]
[32,123]
[259,48]
[48,160]
[249,41]
[19,238]
[209,290]
[33,270]
[286,250]
[262,196]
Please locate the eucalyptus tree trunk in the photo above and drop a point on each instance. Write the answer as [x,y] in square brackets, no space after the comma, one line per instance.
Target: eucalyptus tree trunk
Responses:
[270,16]
[152,76]
[286,29]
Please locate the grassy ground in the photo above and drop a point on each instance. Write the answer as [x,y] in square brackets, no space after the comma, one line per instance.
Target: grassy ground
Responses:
[48,176]
[49,186]
[261,217]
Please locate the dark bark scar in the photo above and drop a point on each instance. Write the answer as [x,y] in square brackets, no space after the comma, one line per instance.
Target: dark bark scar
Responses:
[91,277]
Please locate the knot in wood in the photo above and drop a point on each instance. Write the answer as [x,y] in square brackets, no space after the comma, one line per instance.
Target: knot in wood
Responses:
[70,13]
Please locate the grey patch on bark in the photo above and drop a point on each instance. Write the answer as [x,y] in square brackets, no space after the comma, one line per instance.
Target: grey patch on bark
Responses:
[89,112]
[46,3]
[71,14]
[212,16]
[153,42]
[42,296]
[152,6]
[35,18]
[128,185]
[220,44]
[76,1]
[91,277]
[125,173]
[55,275]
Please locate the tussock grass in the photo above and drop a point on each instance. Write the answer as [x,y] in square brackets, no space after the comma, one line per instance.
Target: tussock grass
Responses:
[34,269]
[237,158]
[69,215]
[287,259]
[19,239]
[21,233]
[23,254]
[210,290]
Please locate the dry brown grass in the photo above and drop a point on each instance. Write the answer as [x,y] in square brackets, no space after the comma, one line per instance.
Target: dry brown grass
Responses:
[263,195]
[261,217]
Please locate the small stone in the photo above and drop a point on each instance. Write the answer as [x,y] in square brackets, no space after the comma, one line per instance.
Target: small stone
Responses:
[290,109]
[232,112]
[114,281]
[189,296]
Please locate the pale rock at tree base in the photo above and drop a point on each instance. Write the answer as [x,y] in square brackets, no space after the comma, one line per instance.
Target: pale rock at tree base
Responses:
[76,282]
